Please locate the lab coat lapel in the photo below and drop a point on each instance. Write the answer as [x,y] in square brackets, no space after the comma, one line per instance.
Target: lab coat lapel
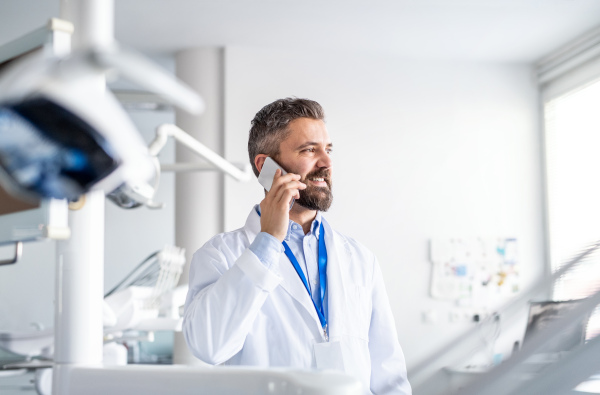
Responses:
[291,281]
[295,287]
[336,254]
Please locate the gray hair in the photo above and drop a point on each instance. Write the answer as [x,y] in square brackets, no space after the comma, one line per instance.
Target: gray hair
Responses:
[269,126]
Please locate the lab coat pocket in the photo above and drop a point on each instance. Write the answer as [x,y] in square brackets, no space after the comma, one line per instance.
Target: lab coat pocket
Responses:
[358,312]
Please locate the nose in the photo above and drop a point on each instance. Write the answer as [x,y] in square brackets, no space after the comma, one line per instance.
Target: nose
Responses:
[325,160]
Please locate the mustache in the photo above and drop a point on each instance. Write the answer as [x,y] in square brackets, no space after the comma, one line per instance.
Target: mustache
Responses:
[321,173]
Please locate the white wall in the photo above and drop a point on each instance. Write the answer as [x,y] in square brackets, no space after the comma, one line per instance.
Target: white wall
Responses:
[421,150]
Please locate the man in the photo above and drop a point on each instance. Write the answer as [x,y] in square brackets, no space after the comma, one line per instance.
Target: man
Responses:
[286,289]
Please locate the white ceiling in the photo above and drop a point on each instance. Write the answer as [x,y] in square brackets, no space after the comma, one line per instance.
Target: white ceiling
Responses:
[480,30]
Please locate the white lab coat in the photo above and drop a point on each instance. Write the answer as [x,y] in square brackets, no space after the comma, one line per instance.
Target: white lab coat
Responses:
[240,312]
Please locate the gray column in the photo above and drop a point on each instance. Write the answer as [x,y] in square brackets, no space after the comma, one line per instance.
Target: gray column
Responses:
[199,196]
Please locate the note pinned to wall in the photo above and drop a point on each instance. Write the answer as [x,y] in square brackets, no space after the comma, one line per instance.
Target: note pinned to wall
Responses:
[474,271]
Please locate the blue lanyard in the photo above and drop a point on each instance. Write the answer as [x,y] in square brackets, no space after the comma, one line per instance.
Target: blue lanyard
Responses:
[322,274]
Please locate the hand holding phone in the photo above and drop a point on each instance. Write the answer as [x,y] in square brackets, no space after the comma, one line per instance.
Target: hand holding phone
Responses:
[281,189]
[267,174]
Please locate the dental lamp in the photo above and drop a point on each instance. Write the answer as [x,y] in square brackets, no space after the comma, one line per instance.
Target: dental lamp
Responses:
[61,135]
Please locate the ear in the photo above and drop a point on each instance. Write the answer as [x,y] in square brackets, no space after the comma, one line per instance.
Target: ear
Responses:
[259,161]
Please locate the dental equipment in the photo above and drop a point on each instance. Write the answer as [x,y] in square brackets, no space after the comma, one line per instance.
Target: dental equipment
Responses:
[137,300]
[77,366]
[45,101]
[132,195]
[238,172]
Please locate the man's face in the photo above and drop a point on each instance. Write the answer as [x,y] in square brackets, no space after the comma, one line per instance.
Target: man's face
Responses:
[307,152]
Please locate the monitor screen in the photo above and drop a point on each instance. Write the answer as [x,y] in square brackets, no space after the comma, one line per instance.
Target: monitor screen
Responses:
[542,314]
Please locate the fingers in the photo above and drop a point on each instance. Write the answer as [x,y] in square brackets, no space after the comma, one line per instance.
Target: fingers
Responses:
[288,191]
[275,207]
[280,179]
[285,187]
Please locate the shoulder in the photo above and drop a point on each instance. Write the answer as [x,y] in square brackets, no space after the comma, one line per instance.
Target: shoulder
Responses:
[223,246]
[228,238]
[358,256]
[352,245]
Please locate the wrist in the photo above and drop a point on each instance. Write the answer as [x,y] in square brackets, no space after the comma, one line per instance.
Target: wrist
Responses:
[267,248]
[277,235]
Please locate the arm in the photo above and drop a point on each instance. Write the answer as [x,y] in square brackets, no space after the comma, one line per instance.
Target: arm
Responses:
[227,292]
[388,368]
[223,302]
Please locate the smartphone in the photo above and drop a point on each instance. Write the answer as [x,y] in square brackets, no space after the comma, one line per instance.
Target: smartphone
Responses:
[267,174]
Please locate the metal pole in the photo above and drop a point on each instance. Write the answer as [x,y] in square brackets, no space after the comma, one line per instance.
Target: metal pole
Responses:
[80,260]
[79,291]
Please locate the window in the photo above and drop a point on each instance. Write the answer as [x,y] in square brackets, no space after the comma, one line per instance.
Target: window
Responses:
[570,91]
[572,134]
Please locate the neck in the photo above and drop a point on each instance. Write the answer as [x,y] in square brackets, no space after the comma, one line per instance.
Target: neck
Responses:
[302,216]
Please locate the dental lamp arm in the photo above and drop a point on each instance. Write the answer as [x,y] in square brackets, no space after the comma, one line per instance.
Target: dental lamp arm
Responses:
[132,195]
[163,132]
[141,71]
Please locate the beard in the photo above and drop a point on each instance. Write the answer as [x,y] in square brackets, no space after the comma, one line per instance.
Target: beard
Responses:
[313,197]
